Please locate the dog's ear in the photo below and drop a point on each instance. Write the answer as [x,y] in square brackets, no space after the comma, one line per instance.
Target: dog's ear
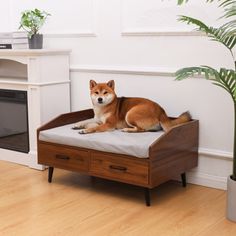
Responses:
[111,84]
[92,84]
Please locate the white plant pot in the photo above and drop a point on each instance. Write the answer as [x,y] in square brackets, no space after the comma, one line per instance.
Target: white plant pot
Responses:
[231,200]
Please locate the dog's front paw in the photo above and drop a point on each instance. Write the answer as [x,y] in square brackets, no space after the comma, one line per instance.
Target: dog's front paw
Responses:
[83,131]
[78,126]
[75,127]
[125,130]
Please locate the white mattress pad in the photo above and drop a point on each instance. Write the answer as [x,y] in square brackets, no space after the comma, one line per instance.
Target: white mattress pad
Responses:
[134,144]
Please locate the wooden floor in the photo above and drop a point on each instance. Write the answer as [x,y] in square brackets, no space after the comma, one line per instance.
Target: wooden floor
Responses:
[78,205]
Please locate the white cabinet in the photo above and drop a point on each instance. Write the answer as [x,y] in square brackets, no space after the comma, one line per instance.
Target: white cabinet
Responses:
[44,74]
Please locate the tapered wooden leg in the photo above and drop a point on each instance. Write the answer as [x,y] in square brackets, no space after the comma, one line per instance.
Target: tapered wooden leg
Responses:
[147,196]
[50,173]
[183,177]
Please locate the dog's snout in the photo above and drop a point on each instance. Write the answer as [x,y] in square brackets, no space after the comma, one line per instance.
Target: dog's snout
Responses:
[99,99]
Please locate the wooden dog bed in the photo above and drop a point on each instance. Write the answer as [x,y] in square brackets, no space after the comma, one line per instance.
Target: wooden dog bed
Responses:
[171,153]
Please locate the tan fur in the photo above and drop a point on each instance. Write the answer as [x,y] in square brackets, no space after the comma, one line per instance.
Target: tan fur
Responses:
[128,114]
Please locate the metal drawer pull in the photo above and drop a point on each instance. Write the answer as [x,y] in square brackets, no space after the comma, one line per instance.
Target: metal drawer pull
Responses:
[62,157]
[119,168]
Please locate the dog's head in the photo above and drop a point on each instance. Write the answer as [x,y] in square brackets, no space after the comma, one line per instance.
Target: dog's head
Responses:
[102,93]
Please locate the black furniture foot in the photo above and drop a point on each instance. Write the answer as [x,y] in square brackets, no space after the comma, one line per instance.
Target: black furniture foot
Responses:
[147,196]
[50,173]
[183,177]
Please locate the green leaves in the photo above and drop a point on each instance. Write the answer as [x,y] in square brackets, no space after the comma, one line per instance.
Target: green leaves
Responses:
[229,7]
[223,3]
[224,35]
[225,78]
[33,20]
[185,1]
[182,1]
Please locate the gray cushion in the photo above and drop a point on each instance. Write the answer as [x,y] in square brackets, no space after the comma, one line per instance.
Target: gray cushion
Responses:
[134,144]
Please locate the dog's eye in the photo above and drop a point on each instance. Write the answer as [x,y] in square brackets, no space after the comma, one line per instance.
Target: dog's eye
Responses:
[105,92]
[96,92]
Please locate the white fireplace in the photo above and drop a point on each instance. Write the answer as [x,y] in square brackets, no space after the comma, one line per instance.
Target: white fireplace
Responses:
[43,75]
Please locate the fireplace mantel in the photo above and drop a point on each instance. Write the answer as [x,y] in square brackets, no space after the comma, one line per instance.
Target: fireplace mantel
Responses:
[34,52]
[44,74]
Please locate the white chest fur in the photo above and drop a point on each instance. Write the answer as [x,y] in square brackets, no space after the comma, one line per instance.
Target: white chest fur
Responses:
[100,117]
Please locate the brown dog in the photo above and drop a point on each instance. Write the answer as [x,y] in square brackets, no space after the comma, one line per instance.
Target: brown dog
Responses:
[128,114]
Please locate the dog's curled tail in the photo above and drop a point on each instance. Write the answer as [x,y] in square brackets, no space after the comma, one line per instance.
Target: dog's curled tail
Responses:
[167,122]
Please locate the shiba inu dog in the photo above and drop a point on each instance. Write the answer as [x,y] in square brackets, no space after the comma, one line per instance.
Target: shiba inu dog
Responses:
[128,114]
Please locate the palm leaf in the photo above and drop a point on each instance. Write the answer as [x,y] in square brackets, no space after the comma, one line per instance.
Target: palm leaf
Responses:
[223,35]
[185,1]
[225,78]
[223,3]
[182,1]
[229,12]
[231,25]
[228,5]
[228,79]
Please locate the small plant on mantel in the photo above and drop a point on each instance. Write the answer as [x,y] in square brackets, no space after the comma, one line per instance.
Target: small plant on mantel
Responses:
[225,78]
[32,21]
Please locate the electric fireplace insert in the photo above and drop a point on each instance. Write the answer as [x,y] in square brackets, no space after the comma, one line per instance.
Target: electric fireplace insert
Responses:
[14,133]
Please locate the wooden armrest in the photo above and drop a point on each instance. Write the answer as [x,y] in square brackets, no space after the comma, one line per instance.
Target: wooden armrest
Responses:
[67,118]
[180,138]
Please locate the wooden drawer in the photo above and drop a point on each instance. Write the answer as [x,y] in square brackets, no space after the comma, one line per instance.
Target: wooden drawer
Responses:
[62,157]
[119,168]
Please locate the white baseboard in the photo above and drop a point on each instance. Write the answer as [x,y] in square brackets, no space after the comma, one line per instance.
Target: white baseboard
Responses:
[14,156]
[219,154]
[207,180]
[26,159]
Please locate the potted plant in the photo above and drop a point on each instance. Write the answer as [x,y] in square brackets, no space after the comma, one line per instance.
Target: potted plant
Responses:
[225,78]
[32,21]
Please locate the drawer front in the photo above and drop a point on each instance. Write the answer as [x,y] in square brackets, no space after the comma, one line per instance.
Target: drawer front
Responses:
[62,157]
[119,168]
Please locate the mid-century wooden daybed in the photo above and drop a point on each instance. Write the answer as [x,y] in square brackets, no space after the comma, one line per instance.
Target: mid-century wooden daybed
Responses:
[167,154]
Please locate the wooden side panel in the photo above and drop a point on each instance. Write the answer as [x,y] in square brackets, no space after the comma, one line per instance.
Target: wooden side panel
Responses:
[174,153]
[67,118]
[172,167]
[64,119]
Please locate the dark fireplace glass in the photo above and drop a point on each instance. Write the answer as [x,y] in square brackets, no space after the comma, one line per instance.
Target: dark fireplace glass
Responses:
[14,133]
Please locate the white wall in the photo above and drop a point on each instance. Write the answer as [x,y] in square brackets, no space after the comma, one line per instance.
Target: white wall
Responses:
[139,44]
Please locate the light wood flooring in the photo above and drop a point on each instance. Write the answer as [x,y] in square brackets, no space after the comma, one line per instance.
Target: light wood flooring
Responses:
[78,205]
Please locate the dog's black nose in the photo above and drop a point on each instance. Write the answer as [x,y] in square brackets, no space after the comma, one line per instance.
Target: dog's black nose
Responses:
[99,100]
